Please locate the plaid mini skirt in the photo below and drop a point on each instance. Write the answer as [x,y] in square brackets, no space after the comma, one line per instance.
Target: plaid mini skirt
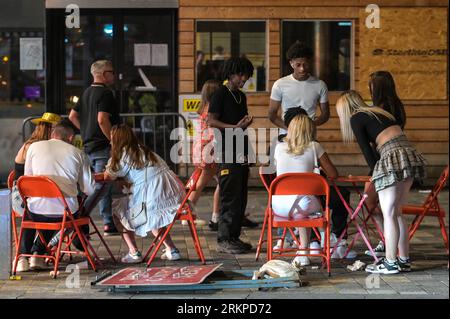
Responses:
[398,161]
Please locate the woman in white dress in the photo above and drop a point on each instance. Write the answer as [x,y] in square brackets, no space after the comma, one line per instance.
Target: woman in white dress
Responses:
[154,197]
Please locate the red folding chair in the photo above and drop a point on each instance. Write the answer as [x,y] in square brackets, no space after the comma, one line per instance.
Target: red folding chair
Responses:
[267,180]
[41,186]
[184,212]
[14,215]
[430,207]
[304,184]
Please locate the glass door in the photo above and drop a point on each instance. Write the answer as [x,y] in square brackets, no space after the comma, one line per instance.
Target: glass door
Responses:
[92,41]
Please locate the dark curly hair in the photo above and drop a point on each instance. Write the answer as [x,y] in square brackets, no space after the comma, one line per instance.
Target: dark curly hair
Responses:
[237,66]
[299,50]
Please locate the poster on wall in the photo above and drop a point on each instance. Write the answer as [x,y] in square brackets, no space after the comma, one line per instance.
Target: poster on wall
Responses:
[31,54]
[160,54]
[142,54]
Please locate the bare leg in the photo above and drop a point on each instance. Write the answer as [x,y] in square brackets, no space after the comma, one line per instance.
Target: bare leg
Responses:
[216,202]
[168,243]
[127,236]
[395,231]
[304,234]
[205,177]
[403,243]
[216,205]
[372,204]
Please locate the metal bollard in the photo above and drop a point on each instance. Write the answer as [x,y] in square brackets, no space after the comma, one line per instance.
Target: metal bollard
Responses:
[5,233]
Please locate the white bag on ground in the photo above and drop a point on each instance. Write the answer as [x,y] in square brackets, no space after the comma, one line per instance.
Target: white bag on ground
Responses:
[277,268]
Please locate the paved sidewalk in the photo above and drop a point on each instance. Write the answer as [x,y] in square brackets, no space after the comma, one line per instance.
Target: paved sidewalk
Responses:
[429,278]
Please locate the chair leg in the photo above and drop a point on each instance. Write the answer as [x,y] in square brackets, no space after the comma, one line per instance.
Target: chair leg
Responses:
[153,244]
[58,253]
[197,246]
[327,244]
[85,247]
[102,240]
[269,239]
[14,228]
[444,232]
[416,225]
[16,258]
[160,242]
[261,237]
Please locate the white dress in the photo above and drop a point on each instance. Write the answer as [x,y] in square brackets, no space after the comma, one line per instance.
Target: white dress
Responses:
[163,192]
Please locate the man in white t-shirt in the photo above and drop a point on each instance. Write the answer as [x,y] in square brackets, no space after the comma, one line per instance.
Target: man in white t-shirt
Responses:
[70,169]
[299,89]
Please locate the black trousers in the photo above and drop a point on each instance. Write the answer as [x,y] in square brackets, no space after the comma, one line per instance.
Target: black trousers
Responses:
[233,181]
[31,244]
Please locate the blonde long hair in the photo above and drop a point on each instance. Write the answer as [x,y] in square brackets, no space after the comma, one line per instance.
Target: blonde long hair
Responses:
[301,132]
[350,103]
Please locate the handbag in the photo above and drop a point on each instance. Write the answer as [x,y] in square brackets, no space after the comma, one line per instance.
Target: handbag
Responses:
[17,203]
[316,164]
[137,215]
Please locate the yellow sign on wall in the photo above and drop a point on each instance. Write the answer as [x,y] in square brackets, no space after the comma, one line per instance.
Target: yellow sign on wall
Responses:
[191,105]
[188,105]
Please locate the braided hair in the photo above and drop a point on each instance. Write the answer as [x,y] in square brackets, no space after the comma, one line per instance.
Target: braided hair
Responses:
[237,66]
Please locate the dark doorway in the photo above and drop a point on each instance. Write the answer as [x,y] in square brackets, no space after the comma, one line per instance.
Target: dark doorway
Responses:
[113,34]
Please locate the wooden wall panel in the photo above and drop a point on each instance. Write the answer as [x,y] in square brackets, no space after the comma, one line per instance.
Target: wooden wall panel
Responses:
[427,111]
[415,55]
[267,12]
[311,3]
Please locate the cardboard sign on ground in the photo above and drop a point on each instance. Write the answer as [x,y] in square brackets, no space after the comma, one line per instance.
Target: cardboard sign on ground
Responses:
[161,276]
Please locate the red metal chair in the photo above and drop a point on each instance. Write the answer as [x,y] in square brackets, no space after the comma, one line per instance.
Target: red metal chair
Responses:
[41,186]
[430,207]
[267,180]
[304,184]
[184,212]
[14,215]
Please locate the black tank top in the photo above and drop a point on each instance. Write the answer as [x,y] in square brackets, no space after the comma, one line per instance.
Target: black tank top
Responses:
[19,170]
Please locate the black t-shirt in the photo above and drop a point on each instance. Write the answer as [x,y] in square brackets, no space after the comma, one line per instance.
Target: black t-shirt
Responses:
[231,107]
[96,98]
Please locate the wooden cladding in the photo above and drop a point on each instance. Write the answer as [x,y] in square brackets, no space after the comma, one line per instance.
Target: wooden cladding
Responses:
[427,111]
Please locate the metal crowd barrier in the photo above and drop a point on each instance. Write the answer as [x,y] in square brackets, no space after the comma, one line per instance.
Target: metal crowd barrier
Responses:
[152,128]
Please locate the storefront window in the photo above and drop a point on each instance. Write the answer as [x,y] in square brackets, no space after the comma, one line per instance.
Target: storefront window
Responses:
[331,43]
[22,76]
[217,41]
[93,41]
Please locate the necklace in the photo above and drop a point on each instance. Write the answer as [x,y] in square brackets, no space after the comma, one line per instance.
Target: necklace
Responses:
[234,97]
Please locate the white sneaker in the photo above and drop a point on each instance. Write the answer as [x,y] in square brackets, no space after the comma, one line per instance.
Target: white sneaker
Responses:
[173,254]
[22,265]
[300,261]
[340,251]
[132,258]
[286,244]
[379,251]
[317,249]
[198,222]
[37,263]
[333,239]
